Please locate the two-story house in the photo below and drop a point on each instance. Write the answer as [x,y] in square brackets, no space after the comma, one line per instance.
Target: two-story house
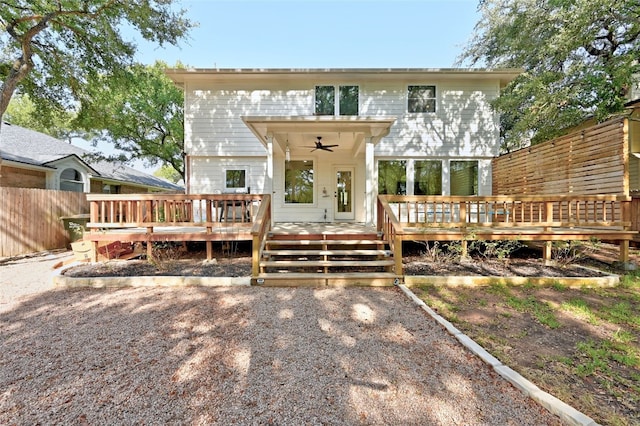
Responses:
[325,142]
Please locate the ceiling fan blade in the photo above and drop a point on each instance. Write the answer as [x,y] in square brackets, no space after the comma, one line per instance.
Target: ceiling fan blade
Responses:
[327,149]
[330,146]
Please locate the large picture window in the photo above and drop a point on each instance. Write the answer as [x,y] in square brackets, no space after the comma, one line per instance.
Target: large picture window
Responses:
[427,177]
[421,99]
[298,182]
[346,103]
[392,177]
[464,177]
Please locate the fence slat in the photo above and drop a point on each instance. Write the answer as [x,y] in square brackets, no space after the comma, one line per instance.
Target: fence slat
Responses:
[30,219]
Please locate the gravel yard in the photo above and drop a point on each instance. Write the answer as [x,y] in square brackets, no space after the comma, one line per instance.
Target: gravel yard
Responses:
[241,355]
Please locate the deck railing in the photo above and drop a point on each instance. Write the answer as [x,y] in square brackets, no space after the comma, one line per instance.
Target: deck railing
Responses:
[504,211]
[535,218]
[150,210]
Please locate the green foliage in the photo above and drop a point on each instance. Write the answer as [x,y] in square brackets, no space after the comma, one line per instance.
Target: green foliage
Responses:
[168,173]
[140,111]
[23,111]
[51,50]
[495,249]
[578,57]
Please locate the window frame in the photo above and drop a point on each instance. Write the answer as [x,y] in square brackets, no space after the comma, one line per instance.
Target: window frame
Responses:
[434,98]
[77,183]
[399,183]
[239,189]
[476,183]
[415,181]
[336,100]
[312,202]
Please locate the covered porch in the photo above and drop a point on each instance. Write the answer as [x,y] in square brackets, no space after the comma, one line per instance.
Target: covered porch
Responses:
[321,168]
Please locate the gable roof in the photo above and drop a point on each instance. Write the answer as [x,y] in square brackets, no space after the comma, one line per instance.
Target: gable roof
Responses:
[29,147]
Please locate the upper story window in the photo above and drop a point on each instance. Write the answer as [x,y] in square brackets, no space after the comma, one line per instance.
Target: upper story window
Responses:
[346,102]
[421,99]
[71,180]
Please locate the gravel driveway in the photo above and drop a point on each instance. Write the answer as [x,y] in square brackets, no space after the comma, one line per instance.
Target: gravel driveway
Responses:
[240,355]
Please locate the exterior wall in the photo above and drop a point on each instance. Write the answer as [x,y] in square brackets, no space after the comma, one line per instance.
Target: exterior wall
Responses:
[594,160]
[463,128]
[208,173]
[23,178]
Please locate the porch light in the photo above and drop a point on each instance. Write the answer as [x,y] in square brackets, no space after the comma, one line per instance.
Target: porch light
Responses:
[287,153]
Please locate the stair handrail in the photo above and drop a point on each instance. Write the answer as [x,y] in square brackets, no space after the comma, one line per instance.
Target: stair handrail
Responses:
[260,231]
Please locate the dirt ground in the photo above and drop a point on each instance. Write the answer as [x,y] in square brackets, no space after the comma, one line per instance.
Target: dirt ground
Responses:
[508,321]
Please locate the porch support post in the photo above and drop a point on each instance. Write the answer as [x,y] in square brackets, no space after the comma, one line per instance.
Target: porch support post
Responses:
[268,185]
[369,165]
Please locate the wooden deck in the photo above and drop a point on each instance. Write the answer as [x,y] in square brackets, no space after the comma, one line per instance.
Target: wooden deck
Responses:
[331,247]
[534,218]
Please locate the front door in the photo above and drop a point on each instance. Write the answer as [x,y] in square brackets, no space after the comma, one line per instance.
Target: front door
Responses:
[344,205]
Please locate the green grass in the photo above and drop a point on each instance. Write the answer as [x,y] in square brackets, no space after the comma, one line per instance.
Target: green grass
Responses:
[580,309]
[540,310]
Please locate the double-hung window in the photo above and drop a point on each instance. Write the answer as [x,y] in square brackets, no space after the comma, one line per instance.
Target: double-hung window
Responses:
[336,100]
[421,99]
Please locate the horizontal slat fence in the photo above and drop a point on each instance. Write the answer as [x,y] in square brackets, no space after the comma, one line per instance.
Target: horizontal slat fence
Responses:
[589,161]
[30,219]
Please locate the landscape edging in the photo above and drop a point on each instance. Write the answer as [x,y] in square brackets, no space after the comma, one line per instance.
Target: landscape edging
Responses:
[567,413]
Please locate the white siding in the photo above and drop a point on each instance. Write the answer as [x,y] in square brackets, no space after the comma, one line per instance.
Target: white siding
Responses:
[207,174]
[463,128]
[463,124]
[213,116]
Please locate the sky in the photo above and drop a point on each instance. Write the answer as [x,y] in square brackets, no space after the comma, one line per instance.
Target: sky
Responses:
[317,34]
[321,34]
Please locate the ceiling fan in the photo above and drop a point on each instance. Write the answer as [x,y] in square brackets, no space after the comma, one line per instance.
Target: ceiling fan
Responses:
[320,146]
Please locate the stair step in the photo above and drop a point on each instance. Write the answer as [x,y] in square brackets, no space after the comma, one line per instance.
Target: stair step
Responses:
[327,263]
[358,252]
[323,242]
[295,279]
[298,236]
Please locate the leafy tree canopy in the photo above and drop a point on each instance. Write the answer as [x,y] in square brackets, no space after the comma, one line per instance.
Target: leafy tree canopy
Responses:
[140,111]
[168,173]
[579,59]
[22,111]
[51,49]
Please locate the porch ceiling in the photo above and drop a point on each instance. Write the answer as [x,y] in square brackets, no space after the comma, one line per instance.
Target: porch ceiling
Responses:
[300,132]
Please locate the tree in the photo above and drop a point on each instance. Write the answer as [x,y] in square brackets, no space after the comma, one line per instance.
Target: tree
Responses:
[140,111]
[59,124]
[579,59]
[50,50]
[168,173]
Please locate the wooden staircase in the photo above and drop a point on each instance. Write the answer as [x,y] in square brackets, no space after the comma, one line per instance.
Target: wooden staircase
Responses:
[326,260]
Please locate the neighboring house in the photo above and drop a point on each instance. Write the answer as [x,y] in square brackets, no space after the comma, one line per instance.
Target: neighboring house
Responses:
[32,159]
[324,143]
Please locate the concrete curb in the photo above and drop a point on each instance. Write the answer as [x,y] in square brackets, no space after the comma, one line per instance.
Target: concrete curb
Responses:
[572,282]
[62,281]
[565,412]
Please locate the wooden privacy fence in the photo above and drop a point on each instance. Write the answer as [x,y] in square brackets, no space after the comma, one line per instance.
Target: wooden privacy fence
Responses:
[535,218]
[589,161]
[30,219]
